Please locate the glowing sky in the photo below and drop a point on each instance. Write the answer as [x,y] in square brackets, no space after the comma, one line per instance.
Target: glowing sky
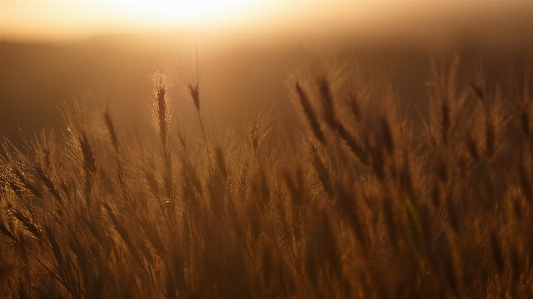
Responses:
[72,19]
[67,20]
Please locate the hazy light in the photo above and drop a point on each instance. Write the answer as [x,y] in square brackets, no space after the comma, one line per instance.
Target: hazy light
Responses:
[194,15]
[436,23]
[71,19]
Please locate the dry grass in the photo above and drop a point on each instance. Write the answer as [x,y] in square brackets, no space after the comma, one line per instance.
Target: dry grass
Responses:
[367,203]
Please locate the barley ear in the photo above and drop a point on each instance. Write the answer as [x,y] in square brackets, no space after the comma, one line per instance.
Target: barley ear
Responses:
[309,113]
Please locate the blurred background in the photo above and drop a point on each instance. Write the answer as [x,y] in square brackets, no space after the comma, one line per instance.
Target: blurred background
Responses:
[105,52]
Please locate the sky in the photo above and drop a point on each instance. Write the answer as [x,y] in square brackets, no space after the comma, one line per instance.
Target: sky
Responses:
[71,20]
[436,22]
[77,19]
[60,20]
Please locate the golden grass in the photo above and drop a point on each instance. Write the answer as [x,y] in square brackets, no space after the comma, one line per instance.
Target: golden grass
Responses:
[368,203]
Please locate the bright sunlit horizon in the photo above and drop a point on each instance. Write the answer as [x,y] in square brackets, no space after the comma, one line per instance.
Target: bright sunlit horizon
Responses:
[59,20]
[223,22]
[64,20]
[67,20]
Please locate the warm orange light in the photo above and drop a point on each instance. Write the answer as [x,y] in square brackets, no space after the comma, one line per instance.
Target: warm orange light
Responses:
[182,14]
[71,19]
[254,20]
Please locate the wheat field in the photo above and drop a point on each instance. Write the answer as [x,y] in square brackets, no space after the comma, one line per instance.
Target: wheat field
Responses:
[369,200]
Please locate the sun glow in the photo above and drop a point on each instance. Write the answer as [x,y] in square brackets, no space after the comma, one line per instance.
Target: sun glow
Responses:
[190,14]
[250,20]
[71,19]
